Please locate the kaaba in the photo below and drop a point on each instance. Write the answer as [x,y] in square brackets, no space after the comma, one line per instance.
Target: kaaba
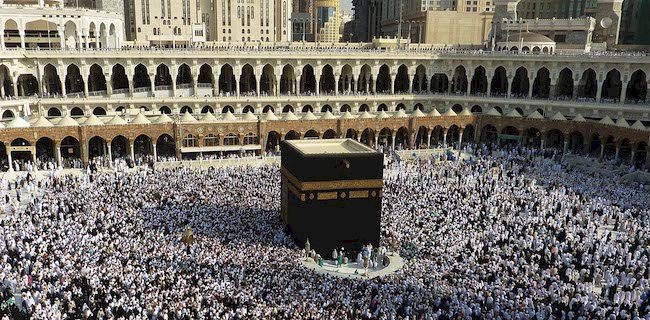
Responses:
[331,193]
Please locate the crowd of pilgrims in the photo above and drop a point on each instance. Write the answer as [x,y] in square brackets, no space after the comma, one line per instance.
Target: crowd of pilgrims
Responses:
[509,235]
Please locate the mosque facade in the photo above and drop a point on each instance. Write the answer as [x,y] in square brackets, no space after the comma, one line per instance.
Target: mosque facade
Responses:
[81,103]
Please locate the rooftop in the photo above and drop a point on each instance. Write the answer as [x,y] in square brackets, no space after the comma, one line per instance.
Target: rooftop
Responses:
[330,146]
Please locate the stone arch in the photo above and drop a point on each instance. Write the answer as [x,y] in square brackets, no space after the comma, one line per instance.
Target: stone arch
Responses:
[346,80]
[418,106]
[479,82]
[326,108]
[421,138]
[499,85]
[54,112]
[457,108]
[292,135]
[489,134]
[97,147]
[205,75]
[251,138]
[51,80]
[287,108]
[165,146]
[227,108]
[142,148]
[77,112]
[637,87]
[459,80]
[364,107]
[307,80]
[99,111]
[385,137]
[533,138]
[248,109]
[400,106]
[351,134]
[588,85]
[184,76]
[165,110]
[186,109]
[555,139]
[402,138]
[327,81]
[120,147]
[420,80]
[383,82]
[70,34]
[288,80]
[307,108]
[207,109]
[96,79]
[365,83]
[330,134]
[382,107]
[476,109]
[119,80]
[267,80]
[611,90]
[345,108]
[163,76]
[70,152]
[268,108]
[439,83]
[565,88]
[74,82]
[27,85]
[595,146]
[227,81]
[247,80]
[520,83]
[542,84]
[402,80]
[468,134]
[45,149]
[368,137]
[576,141]
[141,77]
[273,141]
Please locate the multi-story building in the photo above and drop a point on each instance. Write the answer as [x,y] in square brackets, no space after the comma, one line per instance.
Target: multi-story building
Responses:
[325,20]
[444,22]
[635,22]
[167,23]
[560,9]
[50,24]
[78,105]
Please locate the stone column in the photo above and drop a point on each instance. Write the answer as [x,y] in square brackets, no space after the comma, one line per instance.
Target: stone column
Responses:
[109,84]
[296,83]
[10,161]
[215,84]
[376,141]
[576,84]
[412,83]
[623,91]
[155,152]
[392,141]
[599,91]
[33,152]
[2,37]
[195,84]
[566,146]
[510,87]
[543,142]
[392,84]
[62,38]
[632,157]
[85,76]
[21,33]
[460,138]
[444,137]
[317,76]
[336,84]
[132,152]
[62,81]
[469,84]
[258,85]
[58,153]
[14,85]
[429,138]
[552,89]
[152,80]
[110,154]
[237,73]
[602,150]
[278,79]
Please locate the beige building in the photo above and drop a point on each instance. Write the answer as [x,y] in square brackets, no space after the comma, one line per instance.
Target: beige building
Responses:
[188,23]
[325,20]
[453,23]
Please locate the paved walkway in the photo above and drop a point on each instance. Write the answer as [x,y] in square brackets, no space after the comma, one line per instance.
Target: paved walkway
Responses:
[353,270]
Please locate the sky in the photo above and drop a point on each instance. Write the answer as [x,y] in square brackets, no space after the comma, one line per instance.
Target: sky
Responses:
[346,5]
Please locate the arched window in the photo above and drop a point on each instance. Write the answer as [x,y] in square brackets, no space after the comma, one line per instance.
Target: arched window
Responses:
[190,141]
[211,140]
[231,140]
[250,138]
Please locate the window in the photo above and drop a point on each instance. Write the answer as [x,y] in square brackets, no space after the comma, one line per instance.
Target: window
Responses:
[190,141]
[211,140]
[231,140]
[250,138]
